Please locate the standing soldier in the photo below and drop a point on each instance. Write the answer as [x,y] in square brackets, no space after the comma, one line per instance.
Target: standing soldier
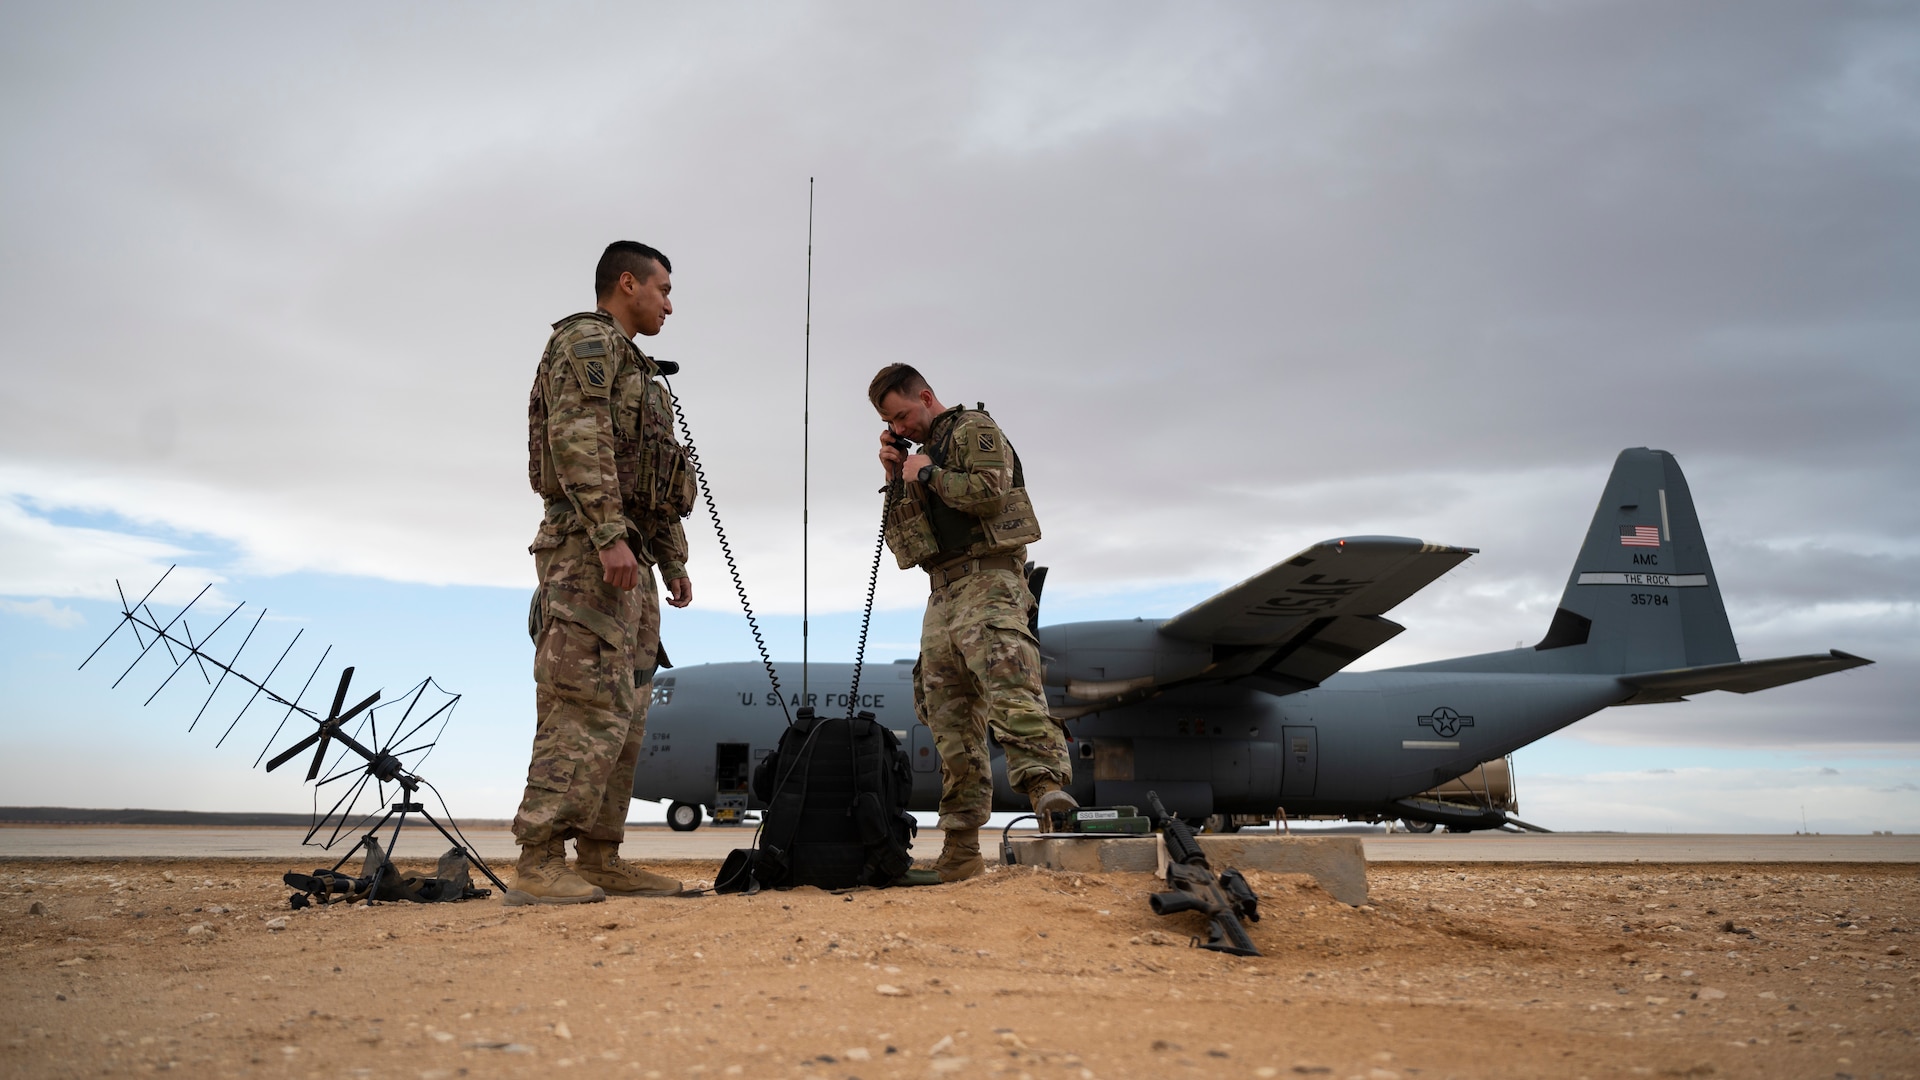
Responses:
[962,514]
[601,452]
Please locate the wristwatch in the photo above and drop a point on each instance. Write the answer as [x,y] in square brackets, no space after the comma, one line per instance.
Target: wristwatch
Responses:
[926,474]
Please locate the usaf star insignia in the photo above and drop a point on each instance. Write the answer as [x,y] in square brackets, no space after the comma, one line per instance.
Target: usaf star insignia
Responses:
[1445,722]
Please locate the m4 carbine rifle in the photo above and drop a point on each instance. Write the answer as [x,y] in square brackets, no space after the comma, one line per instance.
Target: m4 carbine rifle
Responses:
[1224,899]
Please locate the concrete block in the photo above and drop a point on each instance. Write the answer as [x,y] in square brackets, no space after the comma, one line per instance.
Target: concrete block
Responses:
[1338,863]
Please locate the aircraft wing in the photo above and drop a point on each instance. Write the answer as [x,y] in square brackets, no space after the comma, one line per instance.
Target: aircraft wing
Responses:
[1306,618]
[1744,677]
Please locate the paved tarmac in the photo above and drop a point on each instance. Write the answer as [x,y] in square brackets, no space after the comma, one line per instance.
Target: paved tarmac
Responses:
[713,842]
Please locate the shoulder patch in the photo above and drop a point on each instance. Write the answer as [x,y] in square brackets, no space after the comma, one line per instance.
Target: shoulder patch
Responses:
[593,366]
[978,439]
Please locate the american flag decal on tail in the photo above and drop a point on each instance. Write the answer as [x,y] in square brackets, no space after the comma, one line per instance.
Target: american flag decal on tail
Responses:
[1639,536]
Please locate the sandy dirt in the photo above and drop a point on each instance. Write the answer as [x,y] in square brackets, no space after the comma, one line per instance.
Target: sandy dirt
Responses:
[115,967]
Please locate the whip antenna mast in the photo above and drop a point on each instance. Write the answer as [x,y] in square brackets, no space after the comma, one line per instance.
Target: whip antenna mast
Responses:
[806,432]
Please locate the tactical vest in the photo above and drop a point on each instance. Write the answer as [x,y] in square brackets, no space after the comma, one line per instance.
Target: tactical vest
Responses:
[651,466]
[923,530]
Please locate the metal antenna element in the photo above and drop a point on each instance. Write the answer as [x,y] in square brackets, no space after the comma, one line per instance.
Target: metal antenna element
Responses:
[806,450]
[365,761]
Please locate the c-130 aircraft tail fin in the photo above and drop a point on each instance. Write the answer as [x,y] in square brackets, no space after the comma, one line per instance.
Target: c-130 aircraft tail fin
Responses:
[1643,595]
[1642,602]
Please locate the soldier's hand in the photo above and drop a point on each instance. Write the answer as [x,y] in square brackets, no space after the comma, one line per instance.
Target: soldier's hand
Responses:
[890,454]
[680,592]
[912,466]
[619,567]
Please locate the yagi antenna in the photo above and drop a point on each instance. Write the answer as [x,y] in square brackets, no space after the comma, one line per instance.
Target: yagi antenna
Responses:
[356,759]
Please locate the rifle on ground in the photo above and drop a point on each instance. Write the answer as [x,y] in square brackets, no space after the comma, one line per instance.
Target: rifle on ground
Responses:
[1224,899]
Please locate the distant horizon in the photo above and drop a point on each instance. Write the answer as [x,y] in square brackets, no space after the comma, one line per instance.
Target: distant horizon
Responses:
[926,818]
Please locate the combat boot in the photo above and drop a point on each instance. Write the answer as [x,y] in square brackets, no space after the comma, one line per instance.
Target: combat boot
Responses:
[600,864]
[1049,799]
[543,877]
[960,856]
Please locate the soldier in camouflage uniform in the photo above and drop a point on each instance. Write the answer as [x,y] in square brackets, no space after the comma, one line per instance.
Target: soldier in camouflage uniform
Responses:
[616,484]
[959,510]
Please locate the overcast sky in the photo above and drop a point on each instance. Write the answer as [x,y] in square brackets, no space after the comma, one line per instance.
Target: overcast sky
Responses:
[1235,278]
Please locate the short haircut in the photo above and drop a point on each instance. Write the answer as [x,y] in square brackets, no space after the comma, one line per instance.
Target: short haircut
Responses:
[895,379]
[625,257]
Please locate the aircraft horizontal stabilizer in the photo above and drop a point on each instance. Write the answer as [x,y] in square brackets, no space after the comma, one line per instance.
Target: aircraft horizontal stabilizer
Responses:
[1740,678]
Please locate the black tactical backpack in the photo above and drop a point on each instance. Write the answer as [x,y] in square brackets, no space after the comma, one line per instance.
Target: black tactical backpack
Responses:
[835,791]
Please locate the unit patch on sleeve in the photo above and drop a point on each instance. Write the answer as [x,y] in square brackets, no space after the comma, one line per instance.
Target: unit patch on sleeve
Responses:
[590,366]
[987,442]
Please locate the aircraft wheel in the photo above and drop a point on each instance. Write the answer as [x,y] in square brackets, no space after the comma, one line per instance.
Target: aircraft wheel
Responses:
[1417,826]
[683,817]
[1222,823]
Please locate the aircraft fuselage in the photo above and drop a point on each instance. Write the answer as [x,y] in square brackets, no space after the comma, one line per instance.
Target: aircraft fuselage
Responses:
[1350,746]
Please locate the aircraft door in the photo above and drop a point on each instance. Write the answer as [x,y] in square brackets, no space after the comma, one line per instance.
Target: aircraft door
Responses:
[730,774]
[1300,761]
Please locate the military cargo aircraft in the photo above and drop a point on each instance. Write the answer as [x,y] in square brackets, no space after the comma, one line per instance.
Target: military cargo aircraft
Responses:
[1241,705]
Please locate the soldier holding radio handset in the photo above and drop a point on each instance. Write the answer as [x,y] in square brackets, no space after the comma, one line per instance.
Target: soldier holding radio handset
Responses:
[958,509]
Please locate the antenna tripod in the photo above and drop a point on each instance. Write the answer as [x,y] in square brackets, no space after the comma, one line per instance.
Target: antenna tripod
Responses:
[387,769]
[401,809]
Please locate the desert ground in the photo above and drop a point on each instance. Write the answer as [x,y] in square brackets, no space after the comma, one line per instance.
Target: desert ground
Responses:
[122,966]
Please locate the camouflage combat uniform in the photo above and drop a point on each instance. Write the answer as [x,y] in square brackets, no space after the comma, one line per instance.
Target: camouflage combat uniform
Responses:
[979,667]
[603,455]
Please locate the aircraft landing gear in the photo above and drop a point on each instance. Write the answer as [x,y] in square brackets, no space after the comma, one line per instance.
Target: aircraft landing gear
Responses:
[1417,826]
[683,817]
[1222,823]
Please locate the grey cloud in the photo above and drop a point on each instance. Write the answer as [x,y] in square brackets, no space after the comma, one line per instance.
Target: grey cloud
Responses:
[1236,277]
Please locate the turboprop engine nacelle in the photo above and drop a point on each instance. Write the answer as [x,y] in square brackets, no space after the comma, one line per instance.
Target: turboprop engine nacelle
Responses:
[1094,661]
